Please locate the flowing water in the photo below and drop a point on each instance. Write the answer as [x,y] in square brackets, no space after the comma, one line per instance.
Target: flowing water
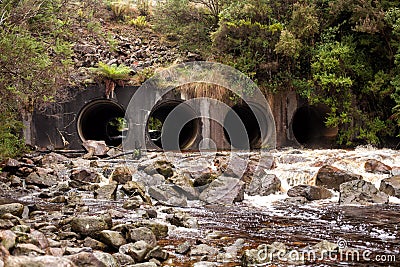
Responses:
[371,233]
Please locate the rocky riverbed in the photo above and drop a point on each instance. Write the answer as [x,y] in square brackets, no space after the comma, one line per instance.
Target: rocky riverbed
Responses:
[276,208]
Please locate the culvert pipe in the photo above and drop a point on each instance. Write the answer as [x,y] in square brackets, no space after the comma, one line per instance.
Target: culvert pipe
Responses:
[189,128]
[309,129]
[101,119]
[256,121]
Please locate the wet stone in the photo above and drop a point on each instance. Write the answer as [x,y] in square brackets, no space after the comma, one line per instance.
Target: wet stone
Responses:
[106,191]
[263,185]
[142,233]
[391,186]
[375,166]
[361,192]
[224,191]
[182,219]
[41,180]
[137,250]
[203,249]
[112,238]
[332,177]
[167,195]
[309,192]
[121,175]
[157,253]
[183,248]
[84,175]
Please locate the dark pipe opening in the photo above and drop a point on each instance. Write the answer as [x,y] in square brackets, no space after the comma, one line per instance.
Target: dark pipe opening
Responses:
[250,122]
[102,120]
[159,114]
[309,129]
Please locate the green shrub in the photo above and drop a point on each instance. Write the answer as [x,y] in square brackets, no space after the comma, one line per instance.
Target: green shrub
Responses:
[140,22]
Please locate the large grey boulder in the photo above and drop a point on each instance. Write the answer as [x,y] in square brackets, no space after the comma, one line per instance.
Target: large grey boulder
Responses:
[224,191]
[332,177]
[167,195]
[263,185]
[361,192]
[391,186]
[309,192]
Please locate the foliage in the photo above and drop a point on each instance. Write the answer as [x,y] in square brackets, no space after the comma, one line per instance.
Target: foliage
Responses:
[113,72]
[181,20]
[344,54]
[110,75]
[142,75]
[143,7]
[11,145]
[140,22]
[121,9]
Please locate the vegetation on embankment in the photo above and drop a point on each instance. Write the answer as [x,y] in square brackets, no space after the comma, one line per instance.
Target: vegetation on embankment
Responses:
[340,53]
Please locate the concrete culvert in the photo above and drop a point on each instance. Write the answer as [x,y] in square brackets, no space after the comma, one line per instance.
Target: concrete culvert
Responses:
[255,122]
[189,127]
[102,119]
[309,129]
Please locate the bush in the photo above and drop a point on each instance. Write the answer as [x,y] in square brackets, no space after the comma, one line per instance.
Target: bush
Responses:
[183,21]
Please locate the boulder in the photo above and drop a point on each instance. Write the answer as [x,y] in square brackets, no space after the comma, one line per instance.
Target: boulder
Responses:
[121,175]
[205,178]
[142,233]
[7,239]
[148,180]
[236,167]
[90,225]
[53,158]
[332,177]
[263,185]
[113,239]
[167,195]
[163,167]
[86,259]
[157,253]
[84,175]
[203,250]
[39,261]
[182,219]
[361,192]
[107,191]
[27,250]
[137,250]
[224,191]
[41,180]
[309,192]
[391,186]
[132,188]
[123,259]
[375,166]
[15,209]
[95,148]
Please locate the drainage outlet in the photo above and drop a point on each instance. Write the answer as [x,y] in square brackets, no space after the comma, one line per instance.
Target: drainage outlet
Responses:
[186,125]
[309,129]
[102,120]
